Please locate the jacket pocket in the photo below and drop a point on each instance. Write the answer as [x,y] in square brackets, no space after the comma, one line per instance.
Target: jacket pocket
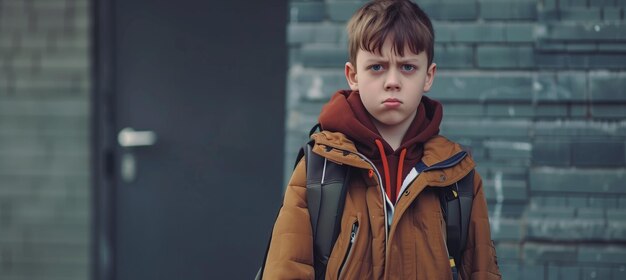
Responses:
[353,235]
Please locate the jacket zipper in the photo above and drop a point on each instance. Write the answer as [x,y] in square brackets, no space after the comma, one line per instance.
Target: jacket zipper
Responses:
[384,195]
[353,233]
[384,198]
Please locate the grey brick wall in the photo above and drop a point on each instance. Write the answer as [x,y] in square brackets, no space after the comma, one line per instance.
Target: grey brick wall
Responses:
[537,89]
[44,141]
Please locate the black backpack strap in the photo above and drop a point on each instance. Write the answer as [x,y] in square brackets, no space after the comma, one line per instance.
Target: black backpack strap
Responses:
[457,209]
[466,199]
[301,153]
[326,194]
[317,126]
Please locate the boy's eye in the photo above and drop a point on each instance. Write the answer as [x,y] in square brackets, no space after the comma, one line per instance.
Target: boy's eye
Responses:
[408,67]
[376,67]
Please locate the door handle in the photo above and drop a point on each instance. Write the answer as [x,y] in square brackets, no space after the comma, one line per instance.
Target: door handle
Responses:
[128,137]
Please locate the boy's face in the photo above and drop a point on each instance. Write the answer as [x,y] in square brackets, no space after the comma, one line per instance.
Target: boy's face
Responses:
[391,86]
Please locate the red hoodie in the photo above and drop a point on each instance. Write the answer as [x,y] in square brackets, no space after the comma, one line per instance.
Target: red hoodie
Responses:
[345,113]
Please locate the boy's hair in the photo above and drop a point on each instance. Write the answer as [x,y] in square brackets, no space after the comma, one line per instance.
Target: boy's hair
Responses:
[370,26]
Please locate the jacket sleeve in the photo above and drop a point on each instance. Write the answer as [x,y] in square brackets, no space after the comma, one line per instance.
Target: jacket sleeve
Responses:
[479,258]
[290,254]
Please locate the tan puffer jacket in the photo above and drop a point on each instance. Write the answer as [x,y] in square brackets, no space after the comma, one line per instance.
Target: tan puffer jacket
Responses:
[413,248]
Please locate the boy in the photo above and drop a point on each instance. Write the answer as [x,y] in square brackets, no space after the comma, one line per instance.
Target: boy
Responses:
[392,225]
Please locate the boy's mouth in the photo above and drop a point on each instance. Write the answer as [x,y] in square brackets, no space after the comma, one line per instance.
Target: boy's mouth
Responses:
[392,103]
[392,100]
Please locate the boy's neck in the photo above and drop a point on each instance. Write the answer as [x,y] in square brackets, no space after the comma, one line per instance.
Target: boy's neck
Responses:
[393,134]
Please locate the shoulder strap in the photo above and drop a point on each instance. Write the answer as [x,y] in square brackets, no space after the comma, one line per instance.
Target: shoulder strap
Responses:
[325,194]
[304,149]
[317,126]
[457,209]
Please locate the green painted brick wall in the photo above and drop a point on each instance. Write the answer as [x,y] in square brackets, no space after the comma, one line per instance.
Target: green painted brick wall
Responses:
[44,144]
[537,89]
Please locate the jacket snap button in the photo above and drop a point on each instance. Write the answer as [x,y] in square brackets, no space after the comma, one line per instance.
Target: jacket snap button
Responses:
[442,177]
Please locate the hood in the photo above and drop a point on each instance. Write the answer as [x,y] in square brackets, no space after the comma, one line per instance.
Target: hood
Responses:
[346,113]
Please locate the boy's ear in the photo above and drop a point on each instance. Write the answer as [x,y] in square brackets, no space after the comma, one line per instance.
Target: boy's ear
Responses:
[350,72]
[430,76]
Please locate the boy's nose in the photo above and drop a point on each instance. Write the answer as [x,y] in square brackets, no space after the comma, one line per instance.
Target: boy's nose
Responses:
[392,82]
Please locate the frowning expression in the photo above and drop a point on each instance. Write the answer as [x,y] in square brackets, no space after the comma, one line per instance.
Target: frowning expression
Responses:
[391,86]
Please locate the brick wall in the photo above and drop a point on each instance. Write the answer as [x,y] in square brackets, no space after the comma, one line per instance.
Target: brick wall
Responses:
[44,141]
[536,88]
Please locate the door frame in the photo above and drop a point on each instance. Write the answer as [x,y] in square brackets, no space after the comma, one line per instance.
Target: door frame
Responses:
[102,141]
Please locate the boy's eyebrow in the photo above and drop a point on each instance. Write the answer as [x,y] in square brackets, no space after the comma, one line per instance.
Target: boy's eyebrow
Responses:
[378,60]
[409,60]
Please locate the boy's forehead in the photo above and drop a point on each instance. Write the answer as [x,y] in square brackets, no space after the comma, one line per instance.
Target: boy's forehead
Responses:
[386,53]
[388,49]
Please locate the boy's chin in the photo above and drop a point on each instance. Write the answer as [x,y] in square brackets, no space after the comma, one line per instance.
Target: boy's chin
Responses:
[389,121]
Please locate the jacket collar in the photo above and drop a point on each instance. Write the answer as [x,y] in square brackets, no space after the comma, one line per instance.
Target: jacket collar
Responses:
[443,162]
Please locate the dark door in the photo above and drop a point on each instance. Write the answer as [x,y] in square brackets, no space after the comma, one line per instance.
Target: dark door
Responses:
[195,124]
